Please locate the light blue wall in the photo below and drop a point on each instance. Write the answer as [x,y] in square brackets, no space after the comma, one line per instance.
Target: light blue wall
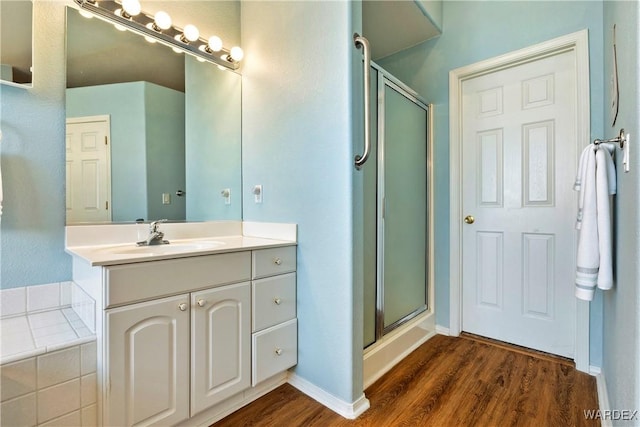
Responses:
[478,30]
[621,366]
[33,159]
[124,103]
[213,138]
[297,143]
[432,9]
[164,130]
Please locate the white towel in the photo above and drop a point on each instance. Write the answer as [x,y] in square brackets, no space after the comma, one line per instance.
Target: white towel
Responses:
[580,178]
[0,175]
[588,259]
[605,187]
[596,182]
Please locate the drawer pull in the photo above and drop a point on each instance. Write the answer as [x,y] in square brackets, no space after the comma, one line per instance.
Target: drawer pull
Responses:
[277,301]
[201,303]
[277,261]
[183,306]
[278,351]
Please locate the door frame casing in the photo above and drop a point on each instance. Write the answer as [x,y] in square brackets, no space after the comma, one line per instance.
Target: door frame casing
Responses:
[578,44]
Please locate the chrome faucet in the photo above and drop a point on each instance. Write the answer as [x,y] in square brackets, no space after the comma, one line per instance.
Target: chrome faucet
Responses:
[156,237]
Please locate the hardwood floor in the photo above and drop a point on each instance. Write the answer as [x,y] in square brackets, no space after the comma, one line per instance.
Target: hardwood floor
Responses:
[464,381]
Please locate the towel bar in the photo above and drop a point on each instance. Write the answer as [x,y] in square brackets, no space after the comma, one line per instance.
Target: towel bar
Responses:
[623,142]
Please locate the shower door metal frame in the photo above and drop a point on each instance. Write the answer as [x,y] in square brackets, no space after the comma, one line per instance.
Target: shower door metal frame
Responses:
[384,80]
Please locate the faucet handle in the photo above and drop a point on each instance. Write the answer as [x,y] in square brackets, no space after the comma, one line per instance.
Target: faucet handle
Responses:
[155,224]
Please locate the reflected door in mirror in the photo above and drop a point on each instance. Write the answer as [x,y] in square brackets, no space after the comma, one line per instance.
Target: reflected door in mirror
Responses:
[88,170]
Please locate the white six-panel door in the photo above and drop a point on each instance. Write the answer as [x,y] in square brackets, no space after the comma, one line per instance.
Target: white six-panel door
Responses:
[518,158]
[88,174]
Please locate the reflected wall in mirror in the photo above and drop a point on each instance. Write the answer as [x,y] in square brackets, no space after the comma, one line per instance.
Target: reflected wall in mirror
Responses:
[151,133]
[16,45]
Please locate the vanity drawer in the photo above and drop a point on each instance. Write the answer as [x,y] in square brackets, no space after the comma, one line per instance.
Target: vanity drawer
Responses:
[274,300]
[269,262]
[129,283]
[274,350]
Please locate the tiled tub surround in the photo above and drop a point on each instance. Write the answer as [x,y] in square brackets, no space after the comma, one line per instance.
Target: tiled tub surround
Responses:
[44,318]
[48,356]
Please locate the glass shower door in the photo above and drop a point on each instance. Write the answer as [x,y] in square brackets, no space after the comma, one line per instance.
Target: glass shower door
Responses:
[395,209]
[403,199]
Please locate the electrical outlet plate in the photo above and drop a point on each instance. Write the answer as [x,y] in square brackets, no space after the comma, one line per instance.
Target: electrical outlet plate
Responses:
[166,198]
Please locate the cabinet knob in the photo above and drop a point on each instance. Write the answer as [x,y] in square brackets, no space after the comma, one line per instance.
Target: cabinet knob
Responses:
[277,261]
[278,351]
[201,303]
[183,306]
[277,301]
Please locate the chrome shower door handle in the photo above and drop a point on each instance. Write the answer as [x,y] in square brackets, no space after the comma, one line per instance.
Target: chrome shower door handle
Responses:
[366,50]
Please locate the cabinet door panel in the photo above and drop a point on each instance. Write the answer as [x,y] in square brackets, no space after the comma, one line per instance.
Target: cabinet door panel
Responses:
[220,344]
[148,363]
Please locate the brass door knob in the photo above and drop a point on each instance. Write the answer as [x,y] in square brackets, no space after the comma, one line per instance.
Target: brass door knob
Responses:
[469,219]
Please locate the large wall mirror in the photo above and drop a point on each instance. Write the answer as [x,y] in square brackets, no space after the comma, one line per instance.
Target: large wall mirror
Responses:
[16,44]
[151,133]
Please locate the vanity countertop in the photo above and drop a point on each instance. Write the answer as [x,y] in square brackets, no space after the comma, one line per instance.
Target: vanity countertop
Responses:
[114,254]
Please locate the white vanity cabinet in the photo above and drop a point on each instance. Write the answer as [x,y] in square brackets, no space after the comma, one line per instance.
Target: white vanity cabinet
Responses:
[192,336]
[274,324]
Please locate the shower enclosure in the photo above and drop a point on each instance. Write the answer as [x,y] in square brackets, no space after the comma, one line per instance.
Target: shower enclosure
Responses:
[396,199]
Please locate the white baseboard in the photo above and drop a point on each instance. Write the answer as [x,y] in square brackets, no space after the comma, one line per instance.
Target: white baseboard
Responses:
[594,370]
[348,410]
[441,330]
[603,398]
[388,352]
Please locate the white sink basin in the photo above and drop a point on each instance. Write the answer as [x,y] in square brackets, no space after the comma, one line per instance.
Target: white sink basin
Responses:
[171,248]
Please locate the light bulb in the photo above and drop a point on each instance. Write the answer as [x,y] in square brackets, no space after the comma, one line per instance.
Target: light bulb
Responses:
[236,53]
[215,43]
[176,50]
[200,59]
[120,27]
[191,32]
[86,14]
[162,20]
[131,7]
[149,39]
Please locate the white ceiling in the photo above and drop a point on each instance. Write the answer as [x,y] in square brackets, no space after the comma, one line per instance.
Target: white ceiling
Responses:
[392,26]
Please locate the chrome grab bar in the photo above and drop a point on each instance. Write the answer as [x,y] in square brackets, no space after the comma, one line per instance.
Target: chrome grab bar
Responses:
[366,50]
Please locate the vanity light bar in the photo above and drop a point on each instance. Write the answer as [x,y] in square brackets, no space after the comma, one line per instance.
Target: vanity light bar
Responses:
[172,36]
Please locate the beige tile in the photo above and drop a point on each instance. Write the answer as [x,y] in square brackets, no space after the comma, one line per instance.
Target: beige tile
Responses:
[47,319]
[56,340]
[13,301]
[17,378]
[58,400]
[58,367]
[89,416]
[89,358]
[70,420]
[43,297]
[65,293]
[88,390]
[19,412]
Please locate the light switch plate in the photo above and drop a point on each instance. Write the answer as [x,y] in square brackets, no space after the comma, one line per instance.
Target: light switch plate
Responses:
[257,193]
[166,198]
